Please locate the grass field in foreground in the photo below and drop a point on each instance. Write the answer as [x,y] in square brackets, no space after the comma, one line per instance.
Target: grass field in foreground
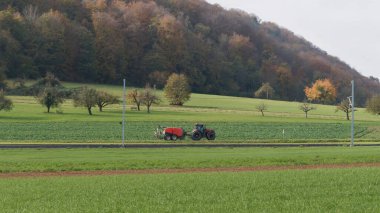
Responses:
[331,190]
[22,160]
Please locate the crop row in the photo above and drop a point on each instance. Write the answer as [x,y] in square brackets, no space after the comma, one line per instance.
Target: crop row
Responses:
[135,131]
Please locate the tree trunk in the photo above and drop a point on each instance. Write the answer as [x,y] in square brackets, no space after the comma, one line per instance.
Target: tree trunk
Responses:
[48,108]
[348,115]
[100,108]
[89,110]
[262,113]
[306,114]
[138,107]
[148,107]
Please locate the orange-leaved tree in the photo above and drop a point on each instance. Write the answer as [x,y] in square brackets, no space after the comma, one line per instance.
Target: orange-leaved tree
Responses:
[322,91]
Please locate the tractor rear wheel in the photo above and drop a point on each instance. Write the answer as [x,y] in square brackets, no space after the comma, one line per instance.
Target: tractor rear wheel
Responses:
[211,135]
[196,136]
[167,137]
[174,137]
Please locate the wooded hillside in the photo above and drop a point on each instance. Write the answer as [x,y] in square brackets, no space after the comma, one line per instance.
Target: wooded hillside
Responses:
[221,51]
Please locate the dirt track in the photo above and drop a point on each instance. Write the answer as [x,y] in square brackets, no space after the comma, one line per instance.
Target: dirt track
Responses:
[176,171]
[177,145]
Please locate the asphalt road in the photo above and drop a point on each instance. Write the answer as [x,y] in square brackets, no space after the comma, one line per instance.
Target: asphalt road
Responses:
[150,146]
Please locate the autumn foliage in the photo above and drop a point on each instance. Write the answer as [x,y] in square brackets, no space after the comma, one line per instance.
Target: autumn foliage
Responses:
[226,52]
[177,89]
[322,91]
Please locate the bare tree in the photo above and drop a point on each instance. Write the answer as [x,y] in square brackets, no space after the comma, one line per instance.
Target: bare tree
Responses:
[104,99]
[345,107]
[50,80]
[30,13]
[261,108]
[148,98]
[266,90]
[134,97]
[306,108]
[85,97]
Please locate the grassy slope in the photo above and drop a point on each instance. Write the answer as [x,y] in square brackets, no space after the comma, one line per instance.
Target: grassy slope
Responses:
[121,159]
[212,103]
[207,104]
[342,190]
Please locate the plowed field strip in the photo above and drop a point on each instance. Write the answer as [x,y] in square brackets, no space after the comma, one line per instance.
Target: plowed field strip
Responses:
[174,171]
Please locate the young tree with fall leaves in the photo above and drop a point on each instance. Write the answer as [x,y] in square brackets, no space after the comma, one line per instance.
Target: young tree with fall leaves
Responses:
[322,91]
[177,89]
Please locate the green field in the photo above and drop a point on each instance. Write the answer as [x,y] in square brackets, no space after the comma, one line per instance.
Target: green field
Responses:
[234,119]
[44,160]
[139,131]
[332,190]
[321,190]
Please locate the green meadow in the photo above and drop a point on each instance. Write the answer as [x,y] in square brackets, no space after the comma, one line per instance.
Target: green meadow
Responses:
[320,190]
[329,190]
[45,160]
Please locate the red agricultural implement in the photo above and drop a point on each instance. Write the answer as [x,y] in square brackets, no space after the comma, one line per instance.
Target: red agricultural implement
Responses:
[175,133]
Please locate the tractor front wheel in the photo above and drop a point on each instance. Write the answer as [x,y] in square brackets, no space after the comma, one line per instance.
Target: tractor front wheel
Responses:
[196,136]
[174,137]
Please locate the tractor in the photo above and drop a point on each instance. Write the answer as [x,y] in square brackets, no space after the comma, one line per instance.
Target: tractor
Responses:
[175,133]
[200,131]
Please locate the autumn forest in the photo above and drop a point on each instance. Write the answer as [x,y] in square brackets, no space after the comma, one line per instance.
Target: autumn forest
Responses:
[226,52]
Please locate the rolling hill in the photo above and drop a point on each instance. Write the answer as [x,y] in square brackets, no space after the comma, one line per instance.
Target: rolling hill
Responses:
[224,52]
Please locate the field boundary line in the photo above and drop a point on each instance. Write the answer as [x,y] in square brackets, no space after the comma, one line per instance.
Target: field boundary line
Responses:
[184,171]
[192,145]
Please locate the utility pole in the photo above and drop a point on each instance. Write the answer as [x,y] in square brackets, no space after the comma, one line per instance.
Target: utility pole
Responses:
[124,103]
[353,114]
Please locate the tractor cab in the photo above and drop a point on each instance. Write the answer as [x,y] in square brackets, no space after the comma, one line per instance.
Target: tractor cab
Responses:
[200,128]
